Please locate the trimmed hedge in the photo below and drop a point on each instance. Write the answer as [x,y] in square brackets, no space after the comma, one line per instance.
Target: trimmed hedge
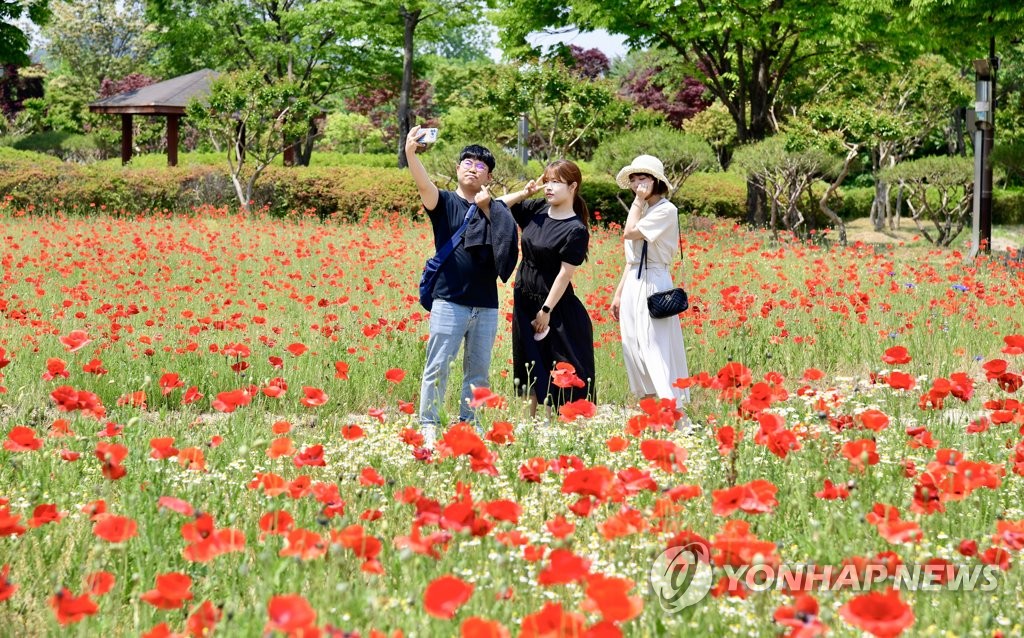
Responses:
[34,181]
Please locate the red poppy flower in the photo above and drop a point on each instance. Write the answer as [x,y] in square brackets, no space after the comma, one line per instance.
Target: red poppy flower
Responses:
[595,481]
[564,376]
[203,619]
[370,477]
[275,388]
[900,381]
[43,514]
[501,433]
[996,556]
[801,617]
[755,497]
[874,420]
[171,592]
[175,505]
[616,444]
[169,382]
[896,355]
[504,510]
[95,366]
[22,439]
[70,609]
[486,398]
[664,454]
[162,448]
[297,349]
[578,408]
[832,492]
[291,614]
[861,453]
[191,396]
[231,400]
[476,627]
[115,529]
[563,567]
[75,340]
[56,368]
[444,595]
[560,527]
[609,596]
[7,587]
[552,620]
[313,397]
[110,456]
[9,523]
[304,544]
[395,375]
[279,447]
[1014,345]
[340,370]
[312,455]
[898,532]
[881,614]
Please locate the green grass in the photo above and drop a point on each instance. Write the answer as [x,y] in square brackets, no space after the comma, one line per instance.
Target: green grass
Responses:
[181,286]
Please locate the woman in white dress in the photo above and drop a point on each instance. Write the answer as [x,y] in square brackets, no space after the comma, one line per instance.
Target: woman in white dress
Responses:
[652,349]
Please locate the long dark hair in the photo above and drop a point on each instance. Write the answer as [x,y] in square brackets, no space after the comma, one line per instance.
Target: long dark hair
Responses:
[568,172]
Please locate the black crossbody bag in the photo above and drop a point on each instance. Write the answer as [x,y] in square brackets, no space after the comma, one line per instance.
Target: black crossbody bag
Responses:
[668,303]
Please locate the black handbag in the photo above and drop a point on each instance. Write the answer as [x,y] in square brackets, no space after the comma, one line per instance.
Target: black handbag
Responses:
[432,269]
[667,303]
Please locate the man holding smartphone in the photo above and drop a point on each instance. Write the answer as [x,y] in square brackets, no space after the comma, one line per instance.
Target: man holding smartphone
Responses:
[465,304]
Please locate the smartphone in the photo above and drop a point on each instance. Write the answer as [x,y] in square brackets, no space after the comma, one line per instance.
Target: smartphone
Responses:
[427,136]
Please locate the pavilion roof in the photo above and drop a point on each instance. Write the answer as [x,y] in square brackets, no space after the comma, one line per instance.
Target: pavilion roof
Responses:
[169,97]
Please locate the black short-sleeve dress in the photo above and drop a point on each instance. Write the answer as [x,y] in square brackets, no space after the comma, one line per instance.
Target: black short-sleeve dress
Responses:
[546,243]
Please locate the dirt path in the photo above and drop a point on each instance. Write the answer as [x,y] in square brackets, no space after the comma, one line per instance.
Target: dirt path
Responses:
[861,230]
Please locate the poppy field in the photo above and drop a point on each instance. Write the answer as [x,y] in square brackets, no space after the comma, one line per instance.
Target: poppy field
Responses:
[208,427]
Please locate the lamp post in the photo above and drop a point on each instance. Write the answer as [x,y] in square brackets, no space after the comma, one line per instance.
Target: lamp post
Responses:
[984,86]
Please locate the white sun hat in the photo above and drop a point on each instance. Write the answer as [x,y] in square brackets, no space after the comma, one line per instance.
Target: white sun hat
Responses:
[648,164]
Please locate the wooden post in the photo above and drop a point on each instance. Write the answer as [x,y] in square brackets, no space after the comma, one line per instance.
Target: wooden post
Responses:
[172,140]
[126,138]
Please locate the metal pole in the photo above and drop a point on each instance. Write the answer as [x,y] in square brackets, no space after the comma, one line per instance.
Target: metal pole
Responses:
[524,132]
[976,214]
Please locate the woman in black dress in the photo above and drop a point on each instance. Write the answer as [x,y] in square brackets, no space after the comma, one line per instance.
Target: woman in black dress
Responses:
[550,326]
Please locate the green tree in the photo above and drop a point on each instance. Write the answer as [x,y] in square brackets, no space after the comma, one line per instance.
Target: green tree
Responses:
[891,116]
[352,133]
[787,164]
[319,47]
[682,154]
[402,23]
[14,43]
[253,119]
[89,42]
[566,114]
[939,190]
[92,40]
[745,51]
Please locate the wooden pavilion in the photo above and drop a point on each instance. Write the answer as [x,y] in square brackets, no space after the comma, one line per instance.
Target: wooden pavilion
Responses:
[168,98]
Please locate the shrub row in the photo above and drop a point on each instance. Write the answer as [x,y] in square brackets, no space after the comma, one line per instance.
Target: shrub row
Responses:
[32,180]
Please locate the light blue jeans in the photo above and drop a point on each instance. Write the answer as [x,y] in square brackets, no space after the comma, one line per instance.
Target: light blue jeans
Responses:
[450,325]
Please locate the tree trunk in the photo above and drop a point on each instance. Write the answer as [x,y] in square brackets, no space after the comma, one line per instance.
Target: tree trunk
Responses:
[755,201]
[880,207]
[410,19]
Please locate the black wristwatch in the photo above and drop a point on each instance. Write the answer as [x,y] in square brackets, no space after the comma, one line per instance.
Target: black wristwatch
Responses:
[545,310]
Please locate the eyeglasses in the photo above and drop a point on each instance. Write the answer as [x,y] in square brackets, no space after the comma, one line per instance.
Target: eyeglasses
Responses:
[468,164]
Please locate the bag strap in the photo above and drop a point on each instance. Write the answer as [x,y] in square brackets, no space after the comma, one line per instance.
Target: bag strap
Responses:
[643,254]
[447,249]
